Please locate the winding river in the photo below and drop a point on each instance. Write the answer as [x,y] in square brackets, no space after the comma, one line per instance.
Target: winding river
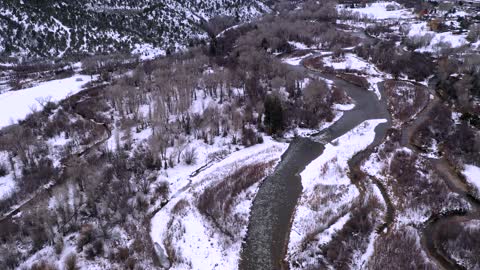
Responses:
[274,205]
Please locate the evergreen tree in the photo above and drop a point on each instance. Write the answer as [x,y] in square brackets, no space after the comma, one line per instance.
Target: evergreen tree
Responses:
[273,114]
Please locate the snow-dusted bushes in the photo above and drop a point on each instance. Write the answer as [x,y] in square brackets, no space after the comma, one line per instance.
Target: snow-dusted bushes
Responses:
[342,247]
[436,127]
[405,99]
[384,54]
[346,247]
[400,249]
[460,242]
[418,41]
[217,200]
[409,183]
[3,169]
[9,255]
[474,32]
[459,142]
[190,156]
[44,265]
[70,262]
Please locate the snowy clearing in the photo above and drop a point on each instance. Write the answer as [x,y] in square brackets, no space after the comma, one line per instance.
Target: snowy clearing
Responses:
[295,61]
[437,39]
[381,10]
[338,153]
[472,175]
[16,105]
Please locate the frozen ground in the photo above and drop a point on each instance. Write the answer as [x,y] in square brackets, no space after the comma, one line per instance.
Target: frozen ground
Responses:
[327,191]
[7,183]
[472,175]
[16,105]
[380,11]
[147,51]
[422,29]
[295,61]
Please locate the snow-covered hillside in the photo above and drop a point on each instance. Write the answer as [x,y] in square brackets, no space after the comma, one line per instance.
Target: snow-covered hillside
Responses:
[15,105]
[61,28]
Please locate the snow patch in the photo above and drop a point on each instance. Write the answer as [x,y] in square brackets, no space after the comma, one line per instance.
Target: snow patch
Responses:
[16,105]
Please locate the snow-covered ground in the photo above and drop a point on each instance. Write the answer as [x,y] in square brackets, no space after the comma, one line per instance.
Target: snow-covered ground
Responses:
[7,183]
[352,63]
[349,62]
[411,208]
[295,61]
[327,190]
[196,240]
[380,11]
[472,175]
[16,105]
[148,51]
[422,29]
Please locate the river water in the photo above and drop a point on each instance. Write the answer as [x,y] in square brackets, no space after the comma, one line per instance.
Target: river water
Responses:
[274,205]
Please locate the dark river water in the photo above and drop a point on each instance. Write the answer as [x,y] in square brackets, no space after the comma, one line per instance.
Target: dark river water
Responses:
[273,207]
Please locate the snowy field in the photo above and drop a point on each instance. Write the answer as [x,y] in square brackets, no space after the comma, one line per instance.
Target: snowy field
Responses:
[7,183]
[422,29]
[148,51]
[472,175]
[16,105]
[327,191]
[295,61]
[381,10]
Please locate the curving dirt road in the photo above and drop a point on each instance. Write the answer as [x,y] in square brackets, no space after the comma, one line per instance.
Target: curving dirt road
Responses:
[454,183]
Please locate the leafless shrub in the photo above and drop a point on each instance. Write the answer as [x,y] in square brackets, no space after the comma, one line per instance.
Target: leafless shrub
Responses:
[86,236]
[122,254]
[190,155]
[405,99]
[216,201]
[418,41]
[162,189]
[474,32]
[437,127]
[9,255]
[459,241]
[350,240]
[339,96]
[70,262]
[94,249]
[44,265]
[3,169]
[249,137]
[130,263]
[171,160]
[58,245]
[180,207]
[354,235]
[399,250]
[217,155]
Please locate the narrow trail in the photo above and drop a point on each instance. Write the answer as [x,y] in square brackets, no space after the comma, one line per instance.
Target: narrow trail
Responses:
[390,211]
[453,182]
